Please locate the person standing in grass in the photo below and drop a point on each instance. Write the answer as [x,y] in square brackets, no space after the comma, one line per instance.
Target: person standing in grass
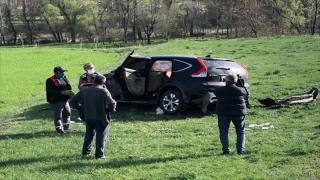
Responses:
[58,92]
[97,104]
[86,80]
[231,107]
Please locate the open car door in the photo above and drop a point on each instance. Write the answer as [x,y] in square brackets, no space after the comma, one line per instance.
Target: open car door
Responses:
[135,81]
[131,75]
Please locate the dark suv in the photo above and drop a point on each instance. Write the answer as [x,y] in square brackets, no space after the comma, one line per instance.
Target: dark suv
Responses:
[172,81]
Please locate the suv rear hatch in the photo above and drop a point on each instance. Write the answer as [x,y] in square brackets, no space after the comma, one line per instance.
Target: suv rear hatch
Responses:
[218,68]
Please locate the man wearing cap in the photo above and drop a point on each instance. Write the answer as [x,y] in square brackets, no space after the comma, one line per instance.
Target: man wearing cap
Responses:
[87,78]
[58,92]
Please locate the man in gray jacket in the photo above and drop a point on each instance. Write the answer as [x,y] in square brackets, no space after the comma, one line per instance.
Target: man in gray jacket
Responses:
[97,104]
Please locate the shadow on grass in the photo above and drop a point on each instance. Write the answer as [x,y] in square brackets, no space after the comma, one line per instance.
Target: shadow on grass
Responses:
[121,163]
[133,112]
[101,163]
[39,134]
[26,161]
[41,111]
[125,112]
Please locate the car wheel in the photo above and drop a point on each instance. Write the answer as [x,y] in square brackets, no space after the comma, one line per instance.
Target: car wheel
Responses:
[171,102]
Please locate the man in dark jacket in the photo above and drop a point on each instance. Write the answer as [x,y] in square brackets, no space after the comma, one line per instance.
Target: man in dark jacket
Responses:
[97,104]
[231,107]
[58,91]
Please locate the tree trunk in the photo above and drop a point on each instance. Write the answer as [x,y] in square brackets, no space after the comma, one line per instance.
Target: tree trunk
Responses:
[191,29]
[27,21]
[148,39]
[236,32]
[125,30]
[139,33]
[314,23]
[51,29]
[134,38]
[73,35]
[9,21]
[134,26]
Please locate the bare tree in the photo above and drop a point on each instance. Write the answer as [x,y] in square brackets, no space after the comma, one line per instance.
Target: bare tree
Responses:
[167,22]
[8,8]
[72,11]
[50,15]
[184,17]
[250,13]
[125,8]
[315,8]
[312,14]
[147,17]
[1,26]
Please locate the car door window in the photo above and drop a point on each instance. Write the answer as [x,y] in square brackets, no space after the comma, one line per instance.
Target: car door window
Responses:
[162,66]
[134,73]
[159,74]
[137,64]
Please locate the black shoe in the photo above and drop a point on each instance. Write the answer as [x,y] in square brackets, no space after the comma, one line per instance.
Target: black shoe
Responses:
[66,127]
[101,157]
[241,152]
[60,131]
[226,153]
[85,155]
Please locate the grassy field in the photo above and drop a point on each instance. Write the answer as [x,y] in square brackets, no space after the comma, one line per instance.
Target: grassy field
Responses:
[143,145]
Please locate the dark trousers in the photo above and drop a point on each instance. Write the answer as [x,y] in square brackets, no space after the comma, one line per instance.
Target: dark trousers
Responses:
[95,128]
[239,124]
[61,114]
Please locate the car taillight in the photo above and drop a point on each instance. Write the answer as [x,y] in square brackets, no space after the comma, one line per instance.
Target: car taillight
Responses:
[247,72]
[203,71]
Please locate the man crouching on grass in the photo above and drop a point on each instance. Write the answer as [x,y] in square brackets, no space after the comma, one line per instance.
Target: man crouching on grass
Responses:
[97,104]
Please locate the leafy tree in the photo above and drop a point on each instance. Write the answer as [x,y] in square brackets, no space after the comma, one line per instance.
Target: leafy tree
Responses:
[71,10]
[312,15]
[125,7]
[290,10]
[147,18]
[51,16]
[167,22]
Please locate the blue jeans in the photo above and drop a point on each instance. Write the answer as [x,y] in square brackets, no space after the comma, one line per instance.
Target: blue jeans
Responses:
[239,124]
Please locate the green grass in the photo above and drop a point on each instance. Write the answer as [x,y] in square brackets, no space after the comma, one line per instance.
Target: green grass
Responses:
[143,145]
[24,70]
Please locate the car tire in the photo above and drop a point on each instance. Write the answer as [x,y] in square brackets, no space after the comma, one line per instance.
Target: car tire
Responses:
[171,102]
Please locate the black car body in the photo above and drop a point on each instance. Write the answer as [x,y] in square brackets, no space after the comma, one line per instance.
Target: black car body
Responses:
[172,81]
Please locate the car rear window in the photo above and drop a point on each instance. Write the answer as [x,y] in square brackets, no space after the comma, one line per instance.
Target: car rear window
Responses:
[213,64]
